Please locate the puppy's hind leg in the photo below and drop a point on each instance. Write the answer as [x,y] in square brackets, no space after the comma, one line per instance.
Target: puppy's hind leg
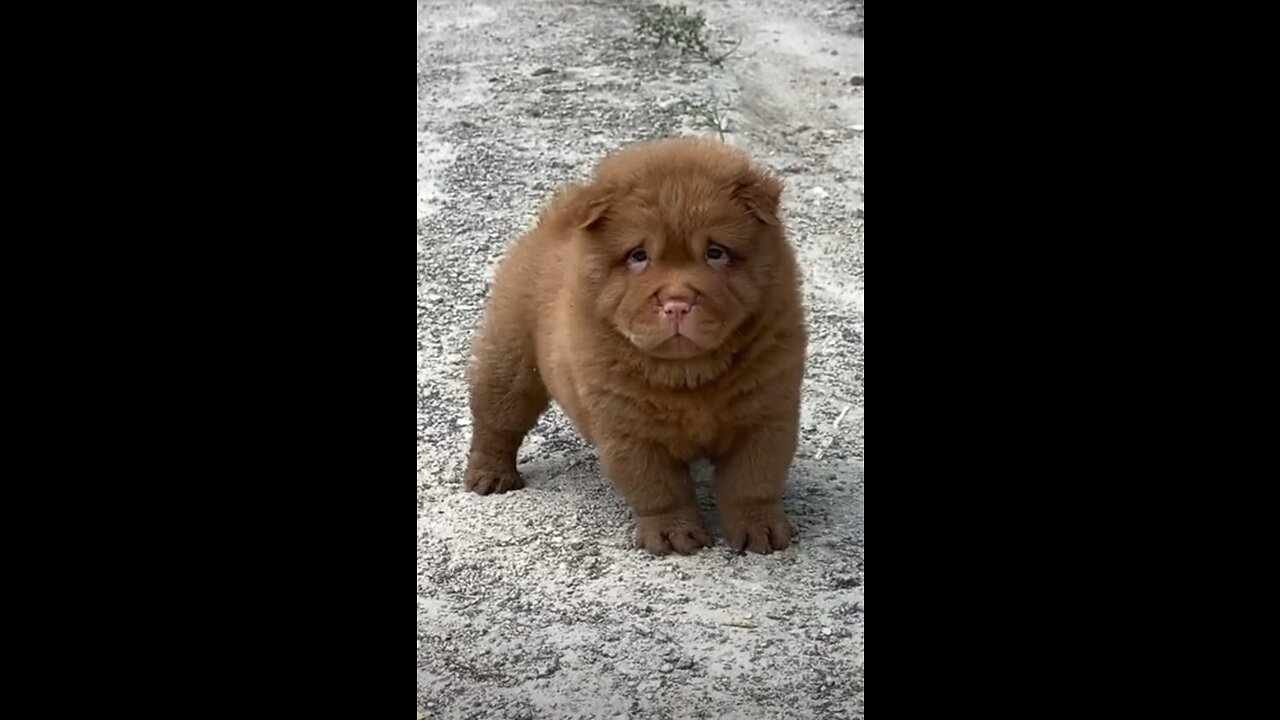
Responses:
[507,396]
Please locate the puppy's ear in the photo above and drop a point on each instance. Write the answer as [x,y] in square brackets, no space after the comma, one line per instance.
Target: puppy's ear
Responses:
[591,207]
[761,191]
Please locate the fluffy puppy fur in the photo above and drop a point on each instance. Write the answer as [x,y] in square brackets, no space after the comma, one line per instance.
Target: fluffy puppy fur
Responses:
[658,304]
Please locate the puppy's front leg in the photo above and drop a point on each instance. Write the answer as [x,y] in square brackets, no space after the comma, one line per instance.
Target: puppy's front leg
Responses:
[749,482]
[659,490]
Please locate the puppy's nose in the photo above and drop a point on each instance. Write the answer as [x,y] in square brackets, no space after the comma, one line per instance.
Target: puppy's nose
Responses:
[675,309]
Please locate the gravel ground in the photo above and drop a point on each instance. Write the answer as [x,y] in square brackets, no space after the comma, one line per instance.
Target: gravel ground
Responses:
[533,604]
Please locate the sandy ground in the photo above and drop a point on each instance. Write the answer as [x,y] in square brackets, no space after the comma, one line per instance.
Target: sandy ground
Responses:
[534,604]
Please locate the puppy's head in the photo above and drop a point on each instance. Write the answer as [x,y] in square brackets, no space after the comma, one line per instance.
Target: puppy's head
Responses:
[681,244]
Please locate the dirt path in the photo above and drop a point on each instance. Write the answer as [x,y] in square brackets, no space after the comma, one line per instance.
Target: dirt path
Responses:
[533,604]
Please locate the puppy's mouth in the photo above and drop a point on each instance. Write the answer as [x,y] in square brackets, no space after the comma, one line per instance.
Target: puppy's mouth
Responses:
[677,346]
[672,342]
[675,332]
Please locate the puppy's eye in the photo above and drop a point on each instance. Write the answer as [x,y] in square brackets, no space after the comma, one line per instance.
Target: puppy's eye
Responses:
[717,255]
[637,256]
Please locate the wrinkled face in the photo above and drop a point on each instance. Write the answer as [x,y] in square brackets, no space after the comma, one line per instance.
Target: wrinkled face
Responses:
[679,265]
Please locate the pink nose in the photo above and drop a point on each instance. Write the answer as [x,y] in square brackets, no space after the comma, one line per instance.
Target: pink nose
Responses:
[675,309]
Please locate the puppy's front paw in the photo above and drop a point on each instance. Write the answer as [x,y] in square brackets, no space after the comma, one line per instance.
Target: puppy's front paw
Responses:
[660,534]
[760,528]
[485,476]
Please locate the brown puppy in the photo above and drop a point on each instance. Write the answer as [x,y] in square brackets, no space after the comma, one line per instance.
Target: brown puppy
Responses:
[659,306]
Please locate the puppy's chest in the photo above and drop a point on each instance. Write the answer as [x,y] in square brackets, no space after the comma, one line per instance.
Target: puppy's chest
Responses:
[689,428]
